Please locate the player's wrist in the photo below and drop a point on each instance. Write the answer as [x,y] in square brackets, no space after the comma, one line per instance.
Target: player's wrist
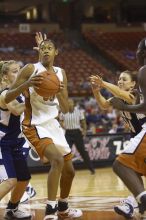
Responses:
[27,84]
[103,84]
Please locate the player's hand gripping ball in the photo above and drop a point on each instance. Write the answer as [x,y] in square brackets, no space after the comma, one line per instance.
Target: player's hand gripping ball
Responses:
[50,84]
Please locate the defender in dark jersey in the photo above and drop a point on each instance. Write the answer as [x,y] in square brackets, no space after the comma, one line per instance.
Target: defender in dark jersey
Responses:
[128,173]
[135,123]
[14,172]
[125,91]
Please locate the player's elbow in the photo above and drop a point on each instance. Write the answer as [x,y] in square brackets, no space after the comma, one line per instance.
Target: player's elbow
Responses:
[65,109]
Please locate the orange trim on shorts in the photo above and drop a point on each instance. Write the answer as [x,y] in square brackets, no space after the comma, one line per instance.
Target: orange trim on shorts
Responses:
[137,160]
[28,109]
[68,156]
[38,143]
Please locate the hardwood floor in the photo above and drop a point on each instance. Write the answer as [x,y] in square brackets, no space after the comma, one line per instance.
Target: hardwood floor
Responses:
[94,194]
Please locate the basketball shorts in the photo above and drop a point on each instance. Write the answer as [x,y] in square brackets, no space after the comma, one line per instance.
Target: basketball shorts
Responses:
[134,156]
[25,150]
[50,132]
[12,161]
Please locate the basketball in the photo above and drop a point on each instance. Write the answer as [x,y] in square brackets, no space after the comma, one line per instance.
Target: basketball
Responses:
[49,86]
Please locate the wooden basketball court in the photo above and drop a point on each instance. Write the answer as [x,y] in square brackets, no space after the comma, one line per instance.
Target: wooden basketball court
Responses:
[95,194]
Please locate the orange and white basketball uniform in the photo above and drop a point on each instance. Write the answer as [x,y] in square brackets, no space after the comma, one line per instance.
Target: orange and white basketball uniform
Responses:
[39,124]
[134,156]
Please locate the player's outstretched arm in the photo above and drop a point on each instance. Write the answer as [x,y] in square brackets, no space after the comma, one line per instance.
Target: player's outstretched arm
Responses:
[140,108]
[14,107]
[115,90]
[22,83]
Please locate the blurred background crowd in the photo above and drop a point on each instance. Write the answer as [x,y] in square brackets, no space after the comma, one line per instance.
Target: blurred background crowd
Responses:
[93,36]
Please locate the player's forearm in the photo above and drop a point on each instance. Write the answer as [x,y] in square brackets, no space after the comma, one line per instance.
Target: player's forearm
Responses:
[18,109]
[141,108]
[115,90]
[63,103]
[15,92]
[102,102]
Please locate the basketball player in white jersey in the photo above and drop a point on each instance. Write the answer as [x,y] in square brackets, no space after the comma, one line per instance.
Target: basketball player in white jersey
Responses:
[43,131]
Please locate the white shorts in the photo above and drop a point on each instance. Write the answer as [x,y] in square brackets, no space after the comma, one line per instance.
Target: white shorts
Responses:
[51,131]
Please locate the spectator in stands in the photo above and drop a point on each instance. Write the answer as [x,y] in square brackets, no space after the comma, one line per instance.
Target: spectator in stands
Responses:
[129,54]
[111,113]
[114,128]
[74,123]
[99,118]
[94,117]
[91,128]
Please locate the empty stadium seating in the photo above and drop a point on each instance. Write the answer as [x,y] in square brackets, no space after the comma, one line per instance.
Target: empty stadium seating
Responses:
[77,63]
[119,47]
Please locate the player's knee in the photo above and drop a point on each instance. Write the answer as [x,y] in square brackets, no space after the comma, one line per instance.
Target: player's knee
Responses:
[68,170]
[10,183]
[57,163]
[70,173]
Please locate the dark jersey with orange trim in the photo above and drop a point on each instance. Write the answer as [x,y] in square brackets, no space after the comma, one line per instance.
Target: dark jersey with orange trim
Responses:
[134,120]
[131,119]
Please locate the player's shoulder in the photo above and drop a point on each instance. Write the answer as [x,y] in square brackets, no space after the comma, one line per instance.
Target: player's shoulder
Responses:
[29,67]
[142,69]
[58,68]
